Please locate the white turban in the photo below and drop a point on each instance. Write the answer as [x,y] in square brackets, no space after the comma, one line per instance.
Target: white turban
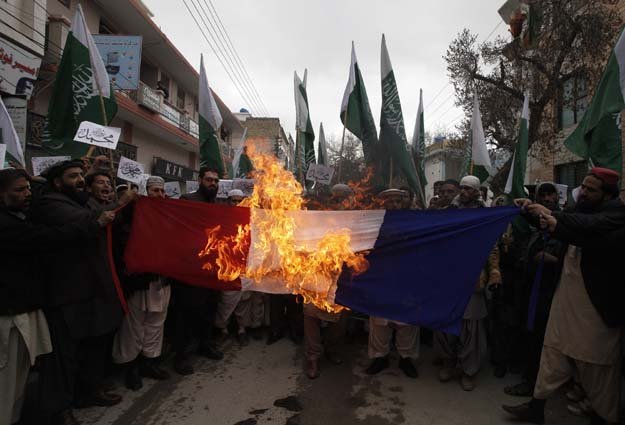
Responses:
[471,181]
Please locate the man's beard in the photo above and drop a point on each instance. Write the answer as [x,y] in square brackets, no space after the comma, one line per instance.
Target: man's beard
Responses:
[80,196]
[209,192]
[586,207]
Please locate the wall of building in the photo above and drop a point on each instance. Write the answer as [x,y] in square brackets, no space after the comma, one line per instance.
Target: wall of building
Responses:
[149,146]
[24,21]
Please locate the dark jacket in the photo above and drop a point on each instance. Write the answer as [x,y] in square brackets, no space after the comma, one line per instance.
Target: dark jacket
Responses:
[79,277]
[601,236]
[197,196]
[21,246]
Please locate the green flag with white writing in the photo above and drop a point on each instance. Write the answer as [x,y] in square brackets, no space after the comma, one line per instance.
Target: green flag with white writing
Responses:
[393,139]
[515,185]
[598,135]
[81,92]
[210,121]
[356,113]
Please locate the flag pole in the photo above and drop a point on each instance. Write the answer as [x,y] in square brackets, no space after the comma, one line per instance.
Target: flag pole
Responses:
[390,180]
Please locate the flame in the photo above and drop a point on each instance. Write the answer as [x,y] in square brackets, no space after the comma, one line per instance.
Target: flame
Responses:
[309,272]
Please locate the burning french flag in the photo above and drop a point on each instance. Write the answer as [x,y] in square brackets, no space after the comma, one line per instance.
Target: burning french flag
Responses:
[418,267]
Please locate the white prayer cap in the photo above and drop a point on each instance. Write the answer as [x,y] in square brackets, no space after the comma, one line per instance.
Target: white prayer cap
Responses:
[236,192]
[155,181]
[470,181]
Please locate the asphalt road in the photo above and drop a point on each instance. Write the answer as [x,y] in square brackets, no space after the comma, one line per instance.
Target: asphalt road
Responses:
[261,384]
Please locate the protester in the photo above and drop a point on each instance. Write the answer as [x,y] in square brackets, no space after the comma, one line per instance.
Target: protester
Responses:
[334,332]
[139,340]
[193,307]
[468,350]
[82,304]
[286,315]
[447,193]
[584,330]
[542,254]
[381,329]
[234,301]
[24,331]
[98,185]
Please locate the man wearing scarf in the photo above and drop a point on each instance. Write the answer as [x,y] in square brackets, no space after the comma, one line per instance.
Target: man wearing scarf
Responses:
[584,331]
[194,308]
[82,305]
[467,351]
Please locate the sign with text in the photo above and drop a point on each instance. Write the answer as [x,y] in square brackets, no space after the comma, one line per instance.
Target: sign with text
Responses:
[244,185]
[130,170]
[98,135]
[18,69]
[224,187]
[16,107]
[192,186]
[42,163]
[121,55]
[172,190]
[173,171]
[319,173]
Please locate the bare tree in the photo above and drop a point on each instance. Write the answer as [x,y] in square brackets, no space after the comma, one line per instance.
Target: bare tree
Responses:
[351,160]
[571,38]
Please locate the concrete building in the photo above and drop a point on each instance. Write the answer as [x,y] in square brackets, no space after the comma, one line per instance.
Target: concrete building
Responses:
[444,159]
[159,127]
[266,135]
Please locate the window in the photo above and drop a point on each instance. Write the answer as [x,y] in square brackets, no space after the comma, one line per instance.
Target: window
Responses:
[180,101]
[573,102]
[571,174]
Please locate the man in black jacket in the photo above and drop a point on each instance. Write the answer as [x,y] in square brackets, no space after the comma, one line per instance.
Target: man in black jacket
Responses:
[82,304]
[24,331]
[584,330]
[194,308]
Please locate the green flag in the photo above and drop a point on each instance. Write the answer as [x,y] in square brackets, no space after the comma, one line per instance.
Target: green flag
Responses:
[480,165]
[515,185]
[323,149]
[82,92]
[210,121]
[598,137]
[392,130]
[303,123]
[356,113]
[418,145]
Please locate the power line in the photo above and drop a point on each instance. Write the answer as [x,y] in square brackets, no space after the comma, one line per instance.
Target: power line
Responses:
[222,49]
[241,64]
[243,97]
[442,104]
[437,94]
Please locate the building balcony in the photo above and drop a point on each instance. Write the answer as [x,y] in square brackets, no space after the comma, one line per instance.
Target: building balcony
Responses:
[154,101]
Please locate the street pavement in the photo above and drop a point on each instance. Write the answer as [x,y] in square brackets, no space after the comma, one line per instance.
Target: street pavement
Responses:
[261,384]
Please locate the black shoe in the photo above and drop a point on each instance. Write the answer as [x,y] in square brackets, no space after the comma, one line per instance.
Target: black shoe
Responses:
[527,412]
[210,352]
[133,379]
[597,420]
[408,367]
[500,371]
[99,399]
[66,417]
[151,369]
[377,365]
[274,337]
[182,365]
[257,333]
[243,339]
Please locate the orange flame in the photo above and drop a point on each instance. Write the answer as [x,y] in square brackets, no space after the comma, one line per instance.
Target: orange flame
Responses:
[309,272]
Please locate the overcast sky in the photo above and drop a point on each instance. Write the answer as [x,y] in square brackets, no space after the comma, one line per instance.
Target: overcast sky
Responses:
[276,37]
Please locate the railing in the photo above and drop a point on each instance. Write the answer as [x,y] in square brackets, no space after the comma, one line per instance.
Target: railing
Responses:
[153,100]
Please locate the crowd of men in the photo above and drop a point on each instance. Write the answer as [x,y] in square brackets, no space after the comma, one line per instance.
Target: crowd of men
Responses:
[546,305]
